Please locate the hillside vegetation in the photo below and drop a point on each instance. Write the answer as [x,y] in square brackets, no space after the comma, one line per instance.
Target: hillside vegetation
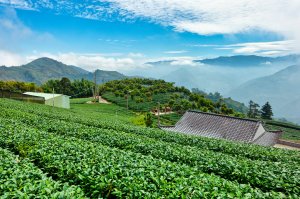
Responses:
[105,158]
[145,94]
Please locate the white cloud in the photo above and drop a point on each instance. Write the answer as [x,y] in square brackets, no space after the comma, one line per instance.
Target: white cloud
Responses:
[273,48]
[287,45]
[202,16]
[208,17]
[178,60]
[17,4]
[93,61]
[218,16]
[206,45]
[205,17]
[184,63]
[87,61]
[12,30]
[176,52]
[14,34]
[11,59]
[136,55]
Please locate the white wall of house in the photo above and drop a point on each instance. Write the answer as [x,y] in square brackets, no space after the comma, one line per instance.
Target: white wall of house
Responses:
[260,131]
[61,101]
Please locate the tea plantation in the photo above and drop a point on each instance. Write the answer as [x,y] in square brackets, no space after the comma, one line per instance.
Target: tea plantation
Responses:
[48,152]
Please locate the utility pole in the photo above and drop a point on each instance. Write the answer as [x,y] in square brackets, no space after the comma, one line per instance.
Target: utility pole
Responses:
[53,98]
[127,100]
[95,84]
[158,110]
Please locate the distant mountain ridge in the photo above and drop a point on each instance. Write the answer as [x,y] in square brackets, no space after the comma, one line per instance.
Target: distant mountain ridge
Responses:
[281,89]
[43,69]
[238,60]
[248,60]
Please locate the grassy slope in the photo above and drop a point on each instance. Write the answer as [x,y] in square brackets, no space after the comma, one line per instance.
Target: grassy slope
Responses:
[114,112]
[291,131]
[110,111]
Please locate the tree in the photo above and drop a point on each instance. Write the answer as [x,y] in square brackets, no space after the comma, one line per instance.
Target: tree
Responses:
[148,120]
[171,102]
[66,86]
[266,111]
[253,110]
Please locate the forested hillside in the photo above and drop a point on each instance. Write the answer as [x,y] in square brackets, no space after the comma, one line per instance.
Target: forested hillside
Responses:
[145,94]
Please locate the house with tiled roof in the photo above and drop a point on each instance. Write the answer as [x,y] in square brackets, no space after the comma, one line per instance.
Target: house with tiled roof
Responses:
[224,127]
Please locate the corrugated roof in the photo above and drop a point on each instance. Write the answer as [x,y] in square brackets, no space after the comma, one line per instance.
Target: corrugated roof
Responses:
[46,96]
[216,126]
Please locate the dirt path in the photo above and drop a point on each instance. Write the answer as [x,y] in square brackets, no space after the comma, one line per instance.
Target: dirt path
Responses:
[164,113]
[103,101]
[99,100]
[281,146]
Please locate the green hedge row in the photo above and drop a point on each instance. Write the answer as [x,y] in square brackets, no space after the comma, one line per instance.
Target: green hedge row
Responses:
[250,151]
[19,178]
[281,177]
[112,173]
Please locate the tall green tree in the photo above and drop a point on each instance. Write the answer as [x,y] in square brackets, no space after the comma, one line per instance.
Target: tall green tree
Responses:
[66,86]
[253,110]
[266,111]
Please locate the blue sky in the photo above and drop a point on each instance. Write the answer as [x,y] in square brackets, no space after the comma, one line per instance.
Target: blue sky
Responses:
[127,34]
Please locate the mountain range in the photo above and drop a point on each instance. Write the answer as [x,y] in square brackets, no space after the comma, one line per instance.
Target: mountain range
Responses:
[238,60]
[267,79]
[281,89]
[243,78]
[220,74]
[248,60]
[43,69]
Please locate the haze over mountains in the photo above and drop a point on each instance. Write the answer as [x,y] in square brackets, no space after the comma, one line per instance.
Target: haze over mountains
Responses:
[242,78]
[280,89]
[219,74]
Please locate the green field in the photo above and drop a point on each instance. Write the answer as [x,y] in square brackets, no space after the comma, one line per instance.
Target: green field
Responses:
[97,110]
[95,154]
[290,132]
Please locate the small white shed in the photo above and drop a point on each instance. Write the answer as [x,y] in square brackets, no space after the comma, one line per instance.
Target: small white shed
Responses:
[57,100]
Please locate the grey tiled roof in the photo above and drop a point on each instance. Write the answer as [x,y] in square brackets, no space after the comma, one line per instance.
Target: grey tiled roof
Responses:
[220,126]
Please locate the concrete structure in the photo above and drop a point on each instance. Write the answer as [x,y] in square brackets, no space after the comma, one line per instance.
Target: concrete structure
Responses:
[57,100]
[224,127]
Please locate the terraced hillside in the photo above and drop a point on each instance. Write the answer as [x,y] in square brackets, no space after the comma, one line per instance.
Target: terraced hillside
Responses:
[62,154]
